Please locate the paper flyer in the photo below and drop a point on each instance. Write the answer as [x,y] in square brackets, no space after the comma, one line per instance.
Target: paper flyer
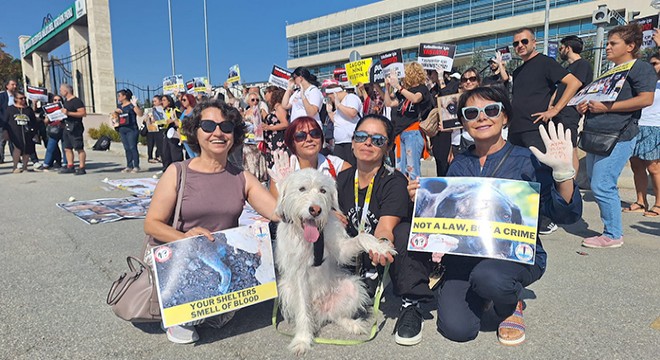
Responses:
[35,93]
[432,55]
[505,52]
[279,77]
[54,112]
[197,278]
[173,83]
[101,211]
[480,217]
[648,24]
[358,71]
[606,88]
[392,61]
[448,106]
[234,76]
[141,187]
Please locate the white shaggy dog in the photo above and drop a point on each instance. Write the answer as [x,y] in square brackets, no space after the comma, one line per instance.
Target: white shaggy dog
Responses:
[312,244]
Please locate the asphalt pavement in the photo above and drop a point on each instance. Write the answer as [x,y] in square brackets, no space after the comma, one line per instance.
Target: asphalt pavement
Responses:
[56,272]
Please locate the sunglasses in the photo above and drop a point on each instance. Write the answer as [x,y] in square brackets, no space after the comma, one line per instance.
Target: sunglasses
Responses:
[20,98]
[254,100]
[470,79]
[523,41]
[301,136]
[491,111]
[208,126]
[376,139]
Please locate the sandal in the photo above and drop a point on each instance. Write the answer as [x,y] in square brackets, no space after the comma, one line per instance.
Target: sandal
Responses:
[651,212]
[511,331]
[640,208]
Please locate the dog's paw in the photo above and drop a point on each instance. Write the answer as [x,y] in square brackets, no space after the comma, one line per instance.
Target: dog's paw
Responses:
[299,346]
[355,326]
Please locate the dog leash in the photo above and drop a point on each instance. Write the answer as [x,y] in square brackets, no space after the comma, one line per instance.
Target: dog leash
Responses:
[344,342]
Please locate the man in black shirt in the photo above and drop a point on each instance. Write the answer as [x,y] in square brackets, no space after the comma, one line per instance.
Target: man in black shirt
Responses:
[498,74]
[72,138]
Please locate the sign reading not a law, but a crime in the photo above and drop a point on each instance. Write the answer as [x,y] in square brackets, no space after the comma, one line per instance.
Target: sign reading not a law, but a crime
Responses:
[432,55]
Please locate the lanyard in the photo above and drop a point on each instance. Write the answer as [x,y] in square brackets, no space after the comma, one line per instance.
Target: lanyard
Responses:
[367,200]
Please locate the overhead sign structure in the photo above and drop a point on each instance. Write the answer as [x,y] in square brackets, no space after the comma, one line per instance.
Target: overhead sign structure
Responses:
[52,28]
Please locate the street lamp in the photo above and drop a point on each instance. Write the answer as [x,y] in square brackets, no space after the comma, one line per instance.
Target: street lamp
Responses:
[169,9]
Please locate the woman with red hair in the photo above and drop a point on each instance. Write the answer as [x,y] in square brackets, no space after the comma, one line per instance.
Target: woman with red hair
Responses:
[188,102]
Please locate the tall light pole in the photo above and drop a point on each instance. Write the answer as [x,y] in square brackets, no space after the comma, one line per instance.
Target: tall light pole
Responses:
[546,27]
[206,37]
[169,9]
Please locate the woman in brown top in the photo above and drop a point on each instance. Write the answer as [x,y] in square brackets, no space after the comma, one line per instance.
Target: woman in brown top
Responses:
[214,190]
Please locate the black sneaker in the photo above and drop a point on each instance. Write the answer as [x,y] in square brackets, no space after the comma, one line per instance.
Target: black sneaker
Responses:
[409,326]
[81,171]
[548,229]
[67,170]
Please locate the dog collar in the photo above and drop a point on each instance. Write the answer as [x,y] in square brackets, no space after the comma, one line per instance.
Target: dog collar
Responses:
[318,251]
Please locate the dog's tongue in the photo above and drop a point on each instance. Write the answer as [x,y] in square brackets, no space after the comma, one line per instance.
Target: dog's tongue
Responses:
[310,231]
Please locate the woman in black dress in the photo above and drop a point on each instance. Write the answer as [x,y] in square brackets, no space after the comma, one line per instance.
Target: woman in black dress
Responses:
[275,123]
[21,121]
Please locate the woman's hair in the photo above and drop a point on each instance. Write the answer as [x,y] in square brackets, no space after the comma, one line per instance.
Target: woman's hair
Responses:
[191,100]
[301,122]
[305,74]
[128,94]
[389,128]
[414,75]
[487,93]
[655,55]
[229,113]
[169,99]
[476,73]
[630,34]
[276,95]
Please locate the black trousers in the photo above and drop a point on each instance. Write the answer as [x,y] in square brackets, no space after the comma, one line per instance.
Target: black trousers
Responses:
[171,152]
[343,151]
[154,140]
[440,145]
[467,285]
[410,270]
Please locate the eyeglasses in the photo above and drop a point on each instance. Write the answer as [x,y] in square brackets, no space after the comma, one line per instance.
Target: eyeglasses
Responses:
[208,126]
[254,100]
[376,139]
[470,79]
[301,136]
[654,63]
[184,99]
[491,111]
[523,41]
[20,98]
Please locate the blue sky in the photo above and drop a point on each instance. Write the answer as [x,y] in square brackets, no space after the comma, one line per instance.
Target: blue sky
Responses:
[248,33]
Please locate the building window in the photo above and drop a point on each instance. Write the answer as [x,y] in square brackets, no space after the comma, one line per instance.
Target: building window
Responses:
[411,22]
[334,36]
[347,36]
[397,26]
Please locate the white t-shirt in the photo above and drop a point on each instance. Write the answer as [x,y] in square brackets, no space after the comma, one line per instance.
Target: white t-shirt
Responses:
[651,114]
[314,96]
[345,126]
[323,165]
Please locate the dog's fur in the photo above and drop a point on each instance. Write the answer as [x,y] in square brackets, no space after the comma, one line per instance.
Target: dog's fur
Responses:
[314,295]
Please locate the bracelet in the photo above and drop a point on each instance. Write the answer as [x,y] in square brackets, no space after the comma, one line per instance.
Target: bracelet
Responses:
[561,176]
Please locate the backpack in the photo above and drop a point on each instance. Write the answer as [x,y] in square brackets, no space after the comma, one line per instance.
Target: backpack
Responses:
[102,144]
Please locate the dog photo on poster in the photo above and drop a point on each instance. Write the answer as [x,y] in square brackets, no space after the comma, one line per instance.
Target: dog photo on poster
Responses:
[481,217]
[197,278]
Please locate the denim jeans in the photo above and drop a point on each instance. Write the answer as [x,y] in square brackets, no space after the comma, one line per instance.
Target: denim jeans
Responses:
[410,160]
[603,172]
[129,138]
[52,152]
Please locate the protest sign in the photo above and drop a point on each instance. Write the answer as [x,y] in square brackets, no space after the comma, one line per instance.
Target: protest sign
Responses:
[341,76]
[432,55]
[173,83]
[448,106]
[553,48]
[376,73]
[197,85]
[605,88]
[54,112]
[648,24]
[197,278]
[358,71]
[36,93]
[279,77]
[101,211]
[142,187]
[234,76]
[505,52]
[479,217]
[392,61]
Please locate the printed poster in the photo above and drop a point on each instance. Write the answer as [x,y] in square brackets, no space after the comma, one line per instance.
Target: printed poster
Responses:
[197,85]
[648,24]
[392,61]
[505,51]
[376,73]
[432,55]
[448,106]
[101,211]
[54,112]
[341,76]
[606,88]
[197,278]
[234,76]
[141,187]
[35,93]
[280,77]
[358,71]
[173,83]
[480,217]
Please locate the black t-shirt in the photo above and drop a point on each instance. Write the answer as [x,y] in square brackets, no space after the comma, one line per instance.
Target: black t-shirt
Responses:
[534,82]
[389,198]
[71,106]
[407,113]
[132,116]
[582,70]
[495,80]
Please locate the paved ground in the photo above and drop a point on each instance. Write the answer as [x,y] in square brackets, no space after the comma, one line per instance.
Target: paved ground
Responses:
[56,272]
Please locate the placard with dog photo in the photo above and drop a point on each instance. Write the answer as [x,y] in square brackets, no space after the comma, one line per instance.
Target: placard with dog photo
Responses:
[101,211]
[197,278]
[448,106]
[482,217]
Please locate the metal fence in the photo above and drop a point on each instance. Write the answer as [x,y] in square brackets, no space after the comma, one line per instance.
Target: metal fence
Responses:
[58,71]
[143,93]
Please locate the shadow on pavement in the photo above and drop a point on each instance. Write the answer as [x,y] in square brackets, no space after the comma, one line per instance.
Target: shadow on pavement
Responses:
[580,228]
[647,227]
[246,320]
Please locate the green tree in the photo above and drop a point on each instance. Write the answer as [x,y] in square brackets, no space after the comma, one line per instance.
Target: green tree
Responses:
[10,68]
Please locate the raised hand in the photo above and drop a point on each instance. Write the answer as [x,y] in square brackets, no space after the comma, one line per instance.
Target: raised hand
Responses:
[283,165]
[558,151]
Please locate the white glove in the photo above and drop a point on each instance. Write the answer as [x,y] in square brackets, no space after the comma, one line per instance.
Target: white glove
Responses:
[134,101]
[283,165]
[558,151]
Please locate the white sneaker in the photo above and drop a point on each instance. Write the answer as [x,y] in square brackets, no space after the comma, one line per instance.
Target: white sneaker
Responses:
[182,334]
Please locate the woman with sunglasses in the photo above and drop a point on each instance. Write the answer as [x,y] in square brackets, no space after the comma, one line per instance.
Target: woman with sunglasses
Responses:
[254,160]
[188,103]
[461,139]
[128,131]
[54,129]
[304,139]
[21,121]
[472,284]
[171,151]
[215,191]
